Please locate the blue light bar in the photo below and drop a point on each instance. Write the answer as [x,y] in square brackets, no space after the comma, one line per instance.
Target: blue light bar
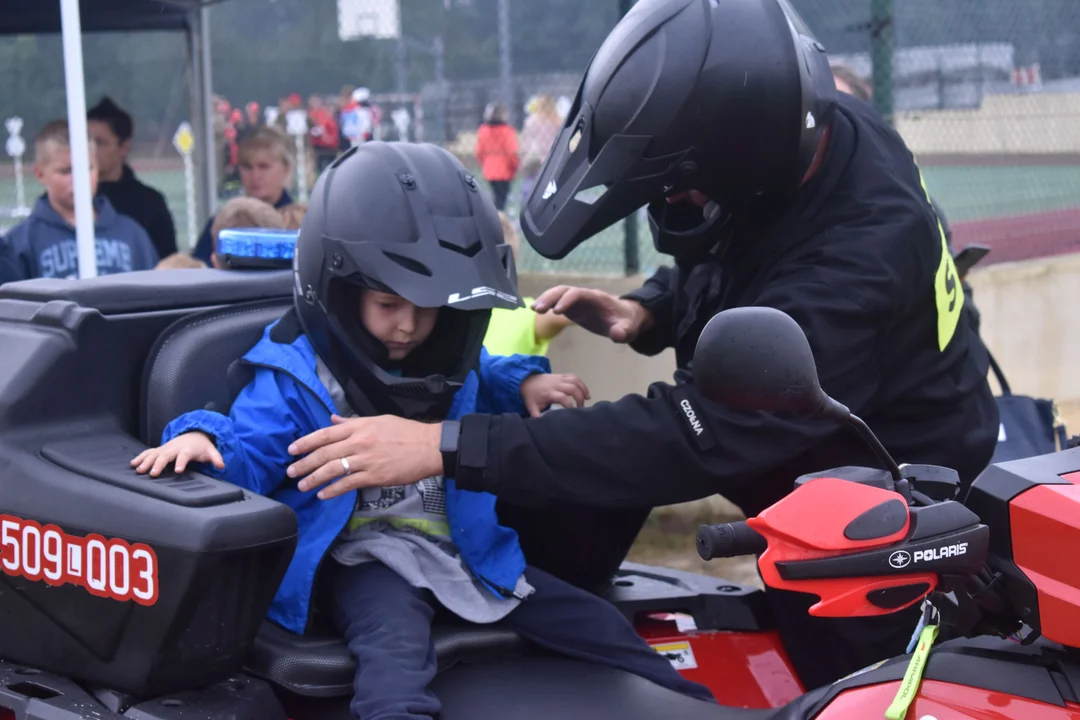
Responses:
[257,247]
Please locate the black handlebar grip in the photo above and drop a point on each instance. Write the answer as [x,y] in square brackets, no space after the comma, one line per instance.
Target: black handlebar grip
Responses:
[729,540]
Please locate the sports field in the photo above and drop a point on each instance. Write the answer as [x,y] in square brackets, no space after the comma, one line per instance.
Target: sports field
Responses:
[1020,210]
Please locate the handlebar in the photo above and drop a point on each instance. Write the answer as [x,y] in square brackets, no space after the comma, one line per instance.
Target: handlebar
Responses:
[729,540]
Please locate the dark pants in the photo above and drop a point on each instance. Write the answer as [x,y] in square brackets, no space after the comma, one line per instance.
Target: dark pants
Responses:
[823,650]
[499,190]
[387,624]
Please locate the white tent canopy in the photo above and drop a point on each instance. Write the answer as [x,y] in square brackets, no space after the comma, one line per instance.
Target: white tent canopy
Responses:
[72,18]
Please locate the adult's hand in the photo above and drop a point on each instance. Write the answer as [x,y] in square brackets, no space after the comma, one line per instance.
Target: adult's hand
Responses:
[378,451]
[597,311]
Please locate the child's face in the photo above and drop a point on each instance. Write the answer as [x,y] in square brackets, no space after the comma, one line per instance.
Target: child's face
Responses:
[263,175]
[53,170]
[396,322]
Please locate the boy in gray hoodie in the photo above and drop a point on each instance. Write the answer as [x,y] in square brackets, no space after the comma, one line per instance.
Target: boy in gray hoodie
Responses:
[43,246]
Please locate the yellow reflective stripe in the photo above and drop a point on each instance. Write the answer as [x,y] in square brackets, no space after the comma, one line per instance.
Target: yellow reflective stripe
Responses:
[948,295]
[428,527]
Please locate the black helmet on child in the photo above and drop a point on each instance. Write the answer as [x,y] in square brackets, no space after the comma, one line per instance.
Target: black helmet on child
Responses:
[405,219]
[728,97]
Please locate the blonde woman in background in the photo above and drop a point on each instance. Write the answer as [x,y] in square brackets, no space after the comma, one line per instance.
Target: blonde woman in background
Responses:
[266,169]
[538,134]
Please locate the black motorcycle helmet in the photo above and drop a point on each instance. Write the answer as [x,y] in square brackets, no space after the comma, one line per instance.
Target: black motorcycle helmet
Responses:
[403,219]
[728,97]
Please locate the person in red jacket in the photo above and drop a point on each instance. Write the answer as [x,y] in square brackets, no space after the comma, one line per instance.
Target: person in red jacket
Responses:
[324,132]
[497,153]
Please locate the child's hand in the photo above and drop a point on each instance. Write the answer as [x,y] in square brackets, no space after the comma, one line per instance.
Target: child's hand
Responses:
[187,448]
[541,390]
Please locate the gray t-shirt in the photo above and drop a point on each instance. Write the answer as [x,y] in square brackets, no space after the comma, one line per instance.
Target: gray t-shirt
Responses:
[406,529]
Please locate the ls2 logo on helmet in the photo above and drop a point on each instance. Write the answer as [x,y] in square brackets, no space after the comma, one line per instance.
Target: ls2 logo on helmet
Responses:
[900,559]
[480,292]
[114,568]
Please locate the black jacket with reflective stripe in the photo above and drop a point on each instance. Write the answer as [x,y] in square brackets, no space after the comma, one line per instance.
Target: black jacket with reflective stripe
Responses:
[859,261]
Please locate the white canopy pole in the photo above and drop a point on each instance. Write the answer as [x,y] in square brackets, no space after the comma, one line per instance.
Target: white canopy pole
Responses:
[71,28]
[202,110]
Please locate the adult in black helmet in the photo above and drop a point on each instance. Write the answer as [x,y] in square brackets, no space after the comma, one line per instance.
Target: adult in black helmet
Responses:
[767,189]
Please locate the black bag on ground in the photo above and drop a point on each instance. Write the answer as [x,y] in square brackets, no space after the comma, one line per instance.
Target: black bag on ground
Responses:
[1029,426]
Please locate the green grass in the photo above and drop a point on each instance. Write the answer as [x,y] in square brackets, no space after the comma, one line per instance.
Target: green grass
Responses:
[965,192]
[980,193]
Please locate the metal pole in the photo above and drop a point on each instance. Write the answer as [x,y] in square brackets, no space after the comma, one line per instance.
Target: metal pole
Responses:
[631,257]
[301,169]
[400,57]
[439,50]
[506,71]
[190,201]
[202,116]
[881,52]
[440,82]
[71,30]
[206,120]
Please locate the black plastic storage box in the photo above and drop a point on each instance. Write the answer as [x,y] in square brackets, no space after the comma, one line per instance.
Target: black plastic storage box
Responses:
[116,580]
[151,586]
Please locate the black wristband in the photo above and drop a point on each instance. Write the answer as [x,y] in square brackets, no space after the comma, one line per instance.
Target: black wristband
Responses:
[448,446]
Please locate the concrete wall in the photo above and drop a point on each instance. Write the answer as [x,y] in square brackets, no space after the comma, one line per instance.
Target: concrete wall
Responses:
[1027,313]
[1037,123]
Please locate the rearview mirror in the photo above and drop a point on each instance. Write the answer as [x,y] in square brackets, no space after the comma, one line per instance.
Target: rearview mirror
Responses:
[758,358]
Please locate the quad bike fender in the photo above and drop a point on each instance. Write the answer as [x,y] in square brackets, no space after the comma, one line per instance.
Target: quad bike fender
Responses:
[945,701]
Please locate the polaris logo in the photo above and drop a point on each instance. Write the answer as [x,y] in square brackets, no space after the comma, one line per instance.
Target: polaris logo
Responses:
[550,190]
[691,417]
[946,551]
[900,559]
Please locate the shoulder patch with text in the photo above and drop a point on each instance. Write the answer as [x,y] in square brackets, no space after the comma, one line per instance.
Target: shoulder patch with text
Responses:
[690,412]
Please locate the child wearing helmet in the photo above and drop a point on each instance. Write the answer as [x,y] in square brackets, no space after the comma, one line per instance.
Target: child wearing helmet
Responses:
[398,266]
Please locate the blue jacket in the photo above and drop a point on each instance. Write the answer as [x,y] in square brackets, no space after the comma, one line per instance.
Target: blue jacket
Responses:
[43,245]
[286,401]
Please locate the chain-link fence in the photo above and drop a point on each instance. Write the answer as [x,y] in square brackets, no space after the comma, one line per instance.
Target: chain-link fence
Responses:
[985,92]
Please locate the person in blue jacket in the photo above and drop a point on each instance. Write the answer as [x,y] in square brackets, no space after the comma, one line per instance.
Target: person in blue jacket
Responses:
[399,262]
[44,246]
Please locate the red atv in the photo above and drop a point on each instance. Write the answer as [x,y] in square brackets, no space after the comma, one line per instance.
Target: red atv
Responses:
[124,597]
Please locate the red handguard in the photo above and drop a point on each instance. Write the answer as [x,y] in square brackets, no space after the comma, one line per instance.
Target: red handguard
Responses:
[829,518]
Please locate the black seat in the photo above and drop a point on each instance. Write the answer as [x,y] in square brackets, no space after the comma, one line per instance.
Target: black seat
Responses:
[195,364]
[315,666]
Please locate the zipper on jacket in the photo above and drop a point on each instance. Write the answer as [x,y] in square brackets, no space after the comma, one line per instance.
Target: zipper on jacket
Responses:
[508,594]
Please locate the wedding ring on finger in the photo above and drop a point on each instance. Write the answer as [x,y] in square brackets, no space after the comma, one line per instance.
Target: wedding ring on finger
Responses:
[345,466]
